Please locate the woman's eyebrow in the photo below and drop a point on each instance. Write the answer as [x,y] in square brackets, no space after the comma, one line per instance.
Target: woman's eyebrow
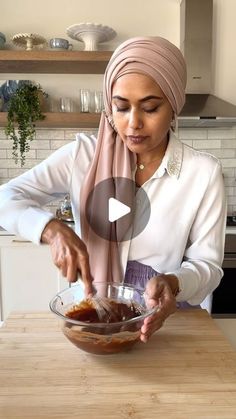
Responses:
[120,98]
[150,97]
[144,99]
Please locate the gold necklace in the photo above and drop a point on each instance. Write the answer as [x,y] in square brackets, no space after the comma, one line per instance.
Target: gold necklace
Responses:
[142,166]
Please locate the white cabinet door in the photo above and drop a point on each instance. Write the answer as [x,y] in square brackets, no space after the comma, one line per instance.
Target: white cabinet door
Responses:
[29,279]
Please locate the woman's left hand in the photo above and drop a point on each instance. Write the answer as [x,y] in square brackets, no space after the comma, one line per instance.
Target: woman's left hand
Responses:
[158,293]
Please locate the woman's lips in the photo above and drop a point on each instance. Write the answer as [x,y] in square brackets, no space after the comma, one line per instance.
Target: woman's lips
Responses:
[136,139]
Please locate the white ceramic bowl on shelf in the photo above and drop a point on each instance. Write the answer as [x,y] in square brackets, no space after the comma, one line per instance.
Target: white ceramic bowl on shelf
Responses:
[91,34]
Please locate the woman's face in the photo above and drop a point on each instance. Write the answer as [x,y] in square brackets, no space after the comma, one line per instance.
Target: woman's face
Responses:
[141,113]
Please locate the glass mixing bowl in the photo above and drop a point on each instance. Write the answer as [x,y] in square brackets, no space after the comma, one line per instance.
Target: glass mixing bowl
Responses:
[102,338]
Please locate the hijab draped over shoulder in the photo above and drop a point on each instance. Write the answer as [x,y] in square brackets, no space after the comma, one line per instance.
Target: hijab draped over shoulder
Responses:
[155,57]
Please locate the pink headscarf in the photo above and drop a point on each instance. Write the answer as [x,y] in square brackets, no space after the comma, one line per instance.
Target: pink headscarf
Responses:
[162,61]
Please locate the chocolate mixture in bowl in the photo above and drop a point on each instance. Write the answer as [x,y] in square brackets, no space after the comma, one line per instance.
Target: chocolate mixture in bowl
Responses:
[107,335]
[118,329]
[118,311]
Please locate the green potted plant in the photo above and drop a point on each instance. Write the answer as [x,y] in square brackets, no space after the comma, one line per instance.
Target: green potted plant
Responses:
[24,109]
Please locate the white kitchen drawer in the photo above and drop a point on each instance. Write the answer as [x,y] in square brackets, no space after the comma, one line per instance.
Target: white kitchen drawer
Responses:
[28,277]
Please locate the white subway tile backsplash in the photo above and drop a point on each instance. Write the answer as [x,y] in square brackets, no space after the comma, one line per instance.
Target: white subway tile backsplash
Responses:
[228,143]
[2,134]
[29,163]
[223,152]
[230,191]
[43,154]
[8,163]
[231,200]
[50,134]
[40,145]
[219,142]
[5,144]
[192,134]
[30,154]
[3,154]
[228,162]
[228,172]
[15,172]
[70,134]
[188,142]
[3,175]
[229,181]
[55,144]
[206,145]
[221,133]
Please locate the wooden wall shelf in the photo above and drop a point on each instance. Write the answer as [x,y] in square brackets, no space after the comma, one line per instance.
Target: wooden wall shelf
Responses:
[54,62]
[63,120]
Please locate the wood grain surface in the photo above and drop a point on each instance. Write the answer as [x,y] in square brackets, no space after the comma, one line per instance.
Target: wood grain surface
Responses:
[62,120]
[186,371]
[57,62]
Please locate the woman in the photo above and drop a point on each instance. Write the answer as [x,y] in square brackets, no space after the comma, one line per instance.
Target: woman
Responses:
[178,254]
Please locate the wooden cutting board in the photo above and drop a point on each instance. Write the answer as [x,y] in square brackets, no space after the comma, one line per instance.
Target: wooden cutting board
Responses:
[186,371]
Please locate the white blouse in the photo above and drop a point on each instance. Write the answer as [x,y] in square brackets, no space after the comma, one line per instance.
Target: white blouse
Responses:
[186,230]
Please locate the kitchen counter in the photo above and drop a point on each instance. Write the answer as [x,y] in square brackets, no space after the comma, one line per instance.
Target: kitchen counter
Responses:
[3,232]
[187,370]
[229,230]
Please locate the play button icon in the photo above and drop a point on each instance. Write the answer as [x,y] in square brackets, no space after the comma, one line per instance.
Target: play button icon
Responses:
[116,209]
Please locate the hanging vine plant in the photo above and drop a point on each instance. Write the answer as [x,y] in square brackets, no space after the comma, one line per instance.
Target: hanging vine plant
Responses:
[24,109]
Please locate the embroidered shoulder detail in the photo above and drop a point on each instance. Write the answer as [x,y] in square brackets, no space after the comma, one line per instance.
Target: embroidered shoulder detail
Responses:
[175,158]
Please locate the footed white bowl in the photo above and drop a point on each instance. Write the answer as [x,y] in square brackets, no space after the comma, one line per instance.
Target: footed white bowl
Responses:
[91,34]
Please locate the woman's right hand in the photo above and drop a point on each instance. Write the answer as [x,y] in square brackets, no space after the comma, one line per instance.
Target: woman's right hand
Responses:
[69,252]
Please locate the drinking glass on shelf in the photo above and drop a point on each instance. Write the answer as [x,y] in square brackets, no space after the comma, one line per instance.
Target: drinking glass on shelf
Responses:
[85,100]
[98,101]
[54,105]
[65,104]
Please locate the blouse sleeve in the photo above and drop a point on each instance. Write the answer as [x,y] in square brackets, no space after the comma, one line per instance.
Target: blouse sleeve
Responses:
[200,272]
[22,199]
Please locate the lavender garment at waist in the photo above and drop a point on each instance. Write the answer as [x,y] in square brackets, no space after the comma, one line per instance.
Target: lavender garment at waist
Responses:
[138,274]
